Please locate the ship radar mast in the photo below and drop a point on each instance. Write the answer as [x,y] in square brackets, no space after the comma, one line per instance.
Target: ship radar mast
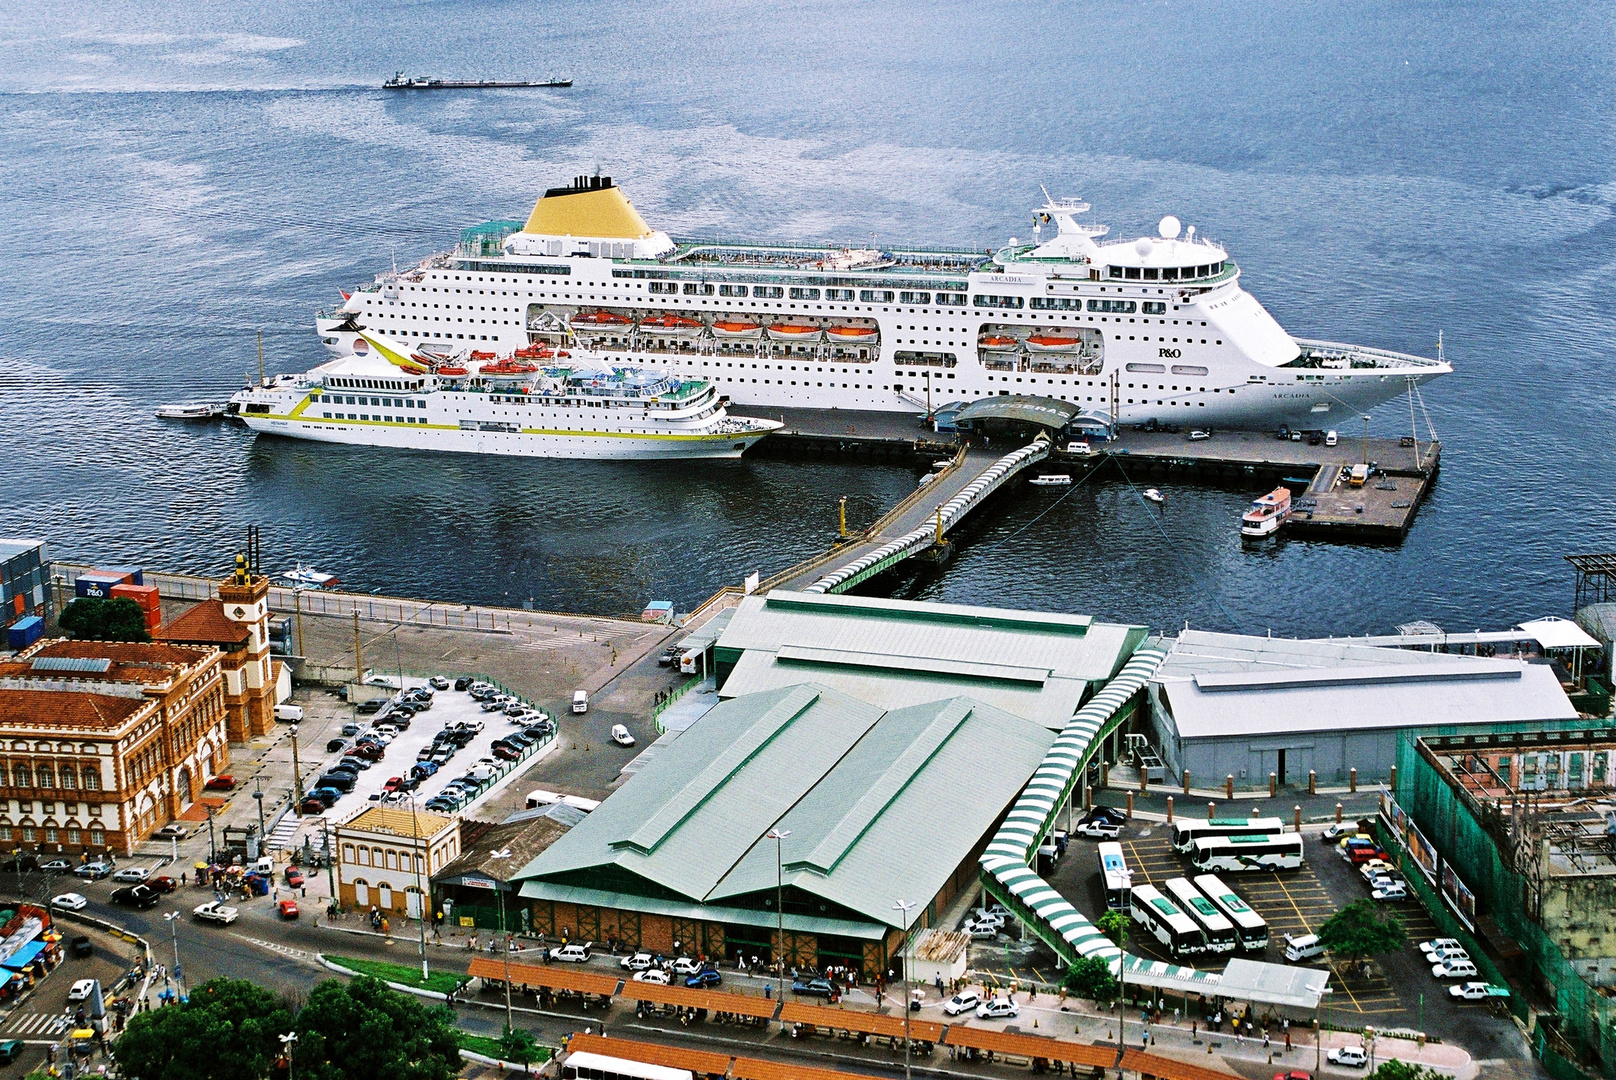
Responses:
[1072,240]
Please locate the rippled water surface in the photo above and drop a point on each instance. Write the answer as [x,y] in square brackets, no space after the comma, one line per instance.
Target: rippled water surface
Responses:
[178,175]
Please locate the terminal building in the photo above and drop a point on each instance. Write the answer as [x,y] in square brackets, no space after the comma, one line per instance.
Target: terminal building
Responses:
[1244,706]
[798,809]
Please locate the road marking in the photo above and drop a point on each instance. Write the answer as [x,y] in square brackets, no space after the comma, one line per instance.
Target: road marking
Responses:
[37,1023]
[272,946]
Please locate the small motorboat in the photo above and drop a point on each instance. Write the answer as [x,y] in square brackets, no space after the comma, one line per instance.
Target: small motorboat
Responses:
[1267,514]
[1154,496]
[998,343]
[793,332]
[302,576]
[1051,480]
[1051,343]
[191,410]
[852,333]
[670,325]
[737,328]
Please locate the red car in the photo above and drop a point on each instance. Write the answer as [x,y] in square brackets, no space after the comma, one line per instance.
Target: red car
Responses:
[393,783]
[162,884]
[1294,1074]
[221,783]
[294,877]
[286,909]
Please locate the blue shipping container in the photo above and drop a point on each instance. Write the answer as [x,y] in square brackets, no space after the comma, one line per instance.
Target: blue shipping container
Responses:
[24,632]
[96,584]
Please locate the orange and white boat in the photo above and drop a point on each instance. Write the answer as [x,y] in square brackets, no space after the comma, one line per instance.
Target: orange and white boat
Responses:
[601,320]
[853,334]
[793,332]
[737,329]
[1052,343]
[670,325]
[1267,514]
[998,343]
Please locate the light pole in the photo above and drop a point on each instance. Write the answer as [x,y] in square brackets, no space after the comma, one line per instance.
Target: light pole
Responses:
[420,857]
[499,898]
[289,1040]
[173,920]
[779,838]
[1318,1027]
[258,797]
[297,772]
[907,954]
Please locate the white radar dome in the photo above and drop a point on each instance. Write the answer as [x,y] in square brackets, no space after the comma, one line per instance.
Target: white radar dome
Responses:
[1168,228]
[1143,245]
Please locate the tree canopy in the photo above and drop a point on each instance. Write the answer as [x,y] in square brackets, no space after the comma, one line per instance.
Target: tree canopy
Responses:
[1114,925]
[361,1030]
[228,1030]
[1090,977]
[91,618]
[1362,929]
[1402,1070]
[519,1046]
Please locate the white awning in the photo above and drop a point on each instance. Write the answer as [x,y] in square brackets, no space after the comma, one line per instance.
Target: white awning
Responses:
[1552,632]
[1273,984]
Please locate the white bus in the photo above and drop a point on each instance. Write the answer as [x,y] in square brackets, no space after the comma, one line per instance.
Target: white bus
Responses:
[1187,830]
[1282,851]
[1114,875]
[586,1066]
[1250,928]
[1220,934]
[1170,926]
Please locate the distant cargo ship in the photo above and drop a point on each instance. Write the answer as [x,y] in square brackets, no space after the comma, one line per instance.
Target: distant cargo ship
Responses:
[427,82]
[1151,329]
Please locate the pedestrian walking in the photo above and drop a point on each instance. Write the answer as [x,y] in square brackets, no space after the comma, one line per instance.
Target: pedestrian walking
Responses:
[1287,1039]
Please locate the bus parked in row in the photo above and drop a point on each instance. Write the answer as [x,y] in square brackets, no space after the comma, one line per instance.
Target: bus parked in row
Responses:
[1281,851]
[1114,876]
[1170,926]
[1251,929]
[1187,830]
[1219,931]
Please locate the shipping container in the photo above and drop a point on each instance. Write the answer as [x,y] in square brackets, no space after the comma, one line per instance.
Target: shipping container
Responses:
[97,585]
[146,596]
[133,575]
[24,632]
[154,620]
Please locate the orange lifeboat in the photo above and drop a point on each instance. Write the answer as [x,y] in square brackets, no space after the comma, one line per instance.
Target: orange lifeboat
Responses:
[793,332]
[670,325]
[601,320]
[1052,343]
[475,355]
[998,343]
[852,334]
[736,328]
[453,371]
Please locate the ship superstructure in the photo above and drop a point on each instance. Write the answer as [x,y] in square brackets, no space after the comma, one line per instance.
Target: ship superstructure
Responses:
[1156,328]
[536,403]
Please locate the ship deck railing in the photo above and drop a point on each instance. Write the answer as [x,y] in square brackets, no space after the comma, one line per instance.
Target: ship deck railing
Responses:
[1361,356]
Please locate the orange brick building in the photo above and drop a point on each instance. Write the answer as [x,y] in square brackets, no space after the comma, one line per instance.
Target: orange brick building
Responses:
[237,624]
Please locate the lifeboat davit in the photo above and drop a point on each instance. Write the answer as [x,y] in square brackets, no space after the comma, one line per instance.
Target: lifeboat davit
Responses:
[852,334]
[670,325]
[998,343]
[1052,343]
[735,328]
[601,320]
[793,332]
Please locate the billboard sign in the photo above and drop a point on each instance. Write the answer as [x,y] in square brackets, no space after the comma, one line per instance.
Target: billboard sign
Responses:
[1458,897]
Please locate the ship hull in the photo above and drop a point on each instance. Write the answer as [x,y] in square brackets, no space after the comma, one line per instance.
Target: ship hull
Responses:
[588,445]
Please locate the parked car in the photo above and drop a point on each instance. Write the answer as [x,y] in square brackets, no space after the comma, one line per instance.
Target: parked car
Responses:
[1353,1056]
[133,874]
[687,965]
[12,1047]
[1293,1074]
[294,877]
[80,947]
[81,990]
[998,1008]
[652,975]
[438,682]
[221,783]
[1476,991]
[351,729]
[1454,969]
[368,707]
[136,896]
[286,909]
[1375,867]
[506,751]
[704,978]
[572,954]
[95,871]
[1100,830]
[1106,813]
[311,805]
[171,832]
[621,736]
[213,911]
[667,658]
[984,931]
[1391,890]
[1337,829]
[56,866]
[813,988]
[639,961]
[1440,944]
[69,901]
[162,883]
[964,1001]
[22,862]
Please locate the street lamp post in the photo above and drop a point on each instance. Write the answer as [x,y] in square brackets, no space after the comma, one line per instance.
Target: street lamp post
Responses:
[420,857]
[297,771]
[499,898]
[1318,1025]
[779,838]
[907,955]
[173,920]
[258,797]
[289,1040]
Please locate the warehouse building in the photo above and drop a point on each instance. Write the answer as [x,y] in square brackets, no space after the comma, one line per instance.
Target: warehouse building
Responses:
[896,653]
[846,809]
[1235,705]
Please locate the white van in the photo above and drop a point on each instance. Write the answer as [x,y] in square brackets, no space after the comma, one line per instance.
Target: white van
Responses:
[1331,438]
[289,714]
[580,701]
[1304,947]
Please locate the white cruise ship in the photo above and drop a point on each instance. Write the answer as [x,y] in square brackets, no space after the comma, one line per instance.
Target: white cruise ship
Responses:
[1156,328]
[538,402]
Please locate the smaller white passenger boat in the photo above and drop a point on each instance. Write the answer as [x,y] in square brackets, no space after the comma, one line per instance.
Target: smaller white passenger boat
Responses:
[1051,480]
[192,410]
[1154,496]
[306,577]
[1267,514]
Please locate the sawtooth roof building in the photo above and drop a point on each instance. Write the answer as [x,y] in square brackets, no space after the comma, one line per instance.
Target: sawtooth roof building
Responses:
[876,805]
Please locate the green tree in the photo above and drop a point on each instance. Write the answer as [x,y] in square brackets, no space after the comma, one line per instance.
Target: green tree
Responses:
[1402,1070]
[226,1031]
[518,1045]
[1362,929]
[91,618]
[1091,978]
[1114,925]
[361,1030]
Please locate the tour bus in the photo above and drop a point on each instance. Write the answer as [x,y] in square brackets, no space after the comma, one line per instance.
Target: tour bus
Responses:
[1187,830]
[1219,931]
[1282,851]
[1170,926]
[587,1066]
[1250,928]
[1114,875]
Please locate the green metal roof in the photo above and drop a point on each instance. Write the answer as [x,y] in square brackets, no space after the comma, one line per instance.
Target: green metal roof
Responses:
[897,653]
[880,806]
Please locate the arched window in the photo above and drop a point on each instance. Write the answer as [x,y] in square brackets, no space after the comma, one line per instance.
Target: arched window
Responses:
[92,779]
[70,777]
[47,776]
[392,860]
[364,856]
[348,853]
[21,776]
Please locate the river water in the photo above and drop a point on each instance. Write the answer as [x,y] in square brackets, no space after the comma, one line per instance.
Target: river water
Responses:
[179,175]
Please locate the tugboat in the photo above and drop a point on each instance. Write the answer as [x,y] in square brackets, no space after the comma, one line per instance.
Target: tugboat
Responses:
[1267,514]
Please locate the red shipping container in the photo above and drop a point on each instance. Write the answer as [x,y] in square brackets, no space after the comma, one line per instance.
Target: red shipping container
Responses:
[154,621]
[146,596]
[125,576]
